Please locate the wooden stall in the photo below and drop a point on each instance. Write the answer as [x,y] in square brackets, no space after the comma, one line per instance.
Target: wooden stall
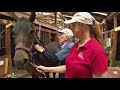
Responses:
[5,49]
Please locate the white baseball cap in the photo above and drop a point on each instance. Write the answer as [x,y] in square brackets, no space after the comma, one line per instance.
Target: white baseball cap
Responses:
[66,31]
[83,17]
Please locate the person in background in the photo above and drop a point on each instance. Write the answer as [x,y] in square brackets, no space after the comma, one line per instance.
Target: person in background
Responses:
[87,58]
[65,38]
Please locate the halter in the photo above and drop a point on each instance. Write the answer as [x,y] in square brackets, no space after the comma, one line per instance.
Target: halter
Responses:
[29,51]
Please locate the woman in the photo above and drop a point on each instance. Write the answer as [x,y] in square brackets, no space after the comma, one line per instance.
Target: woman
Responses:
[65,39]
[87,58]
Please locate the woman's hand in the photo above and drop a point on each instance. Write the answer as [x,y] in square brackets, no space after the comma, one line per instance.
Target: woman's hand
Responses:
[39,48]
[41,68]
[57,69]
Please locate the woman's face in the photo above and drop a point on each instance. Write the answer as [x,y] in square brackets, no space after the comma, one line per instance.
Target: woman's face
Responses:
[62,38]
[76,28]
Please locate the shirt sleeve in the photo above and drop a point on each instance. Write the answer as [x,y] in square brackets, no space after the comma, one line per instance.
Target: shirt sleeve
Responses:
[99,63]
[51,56]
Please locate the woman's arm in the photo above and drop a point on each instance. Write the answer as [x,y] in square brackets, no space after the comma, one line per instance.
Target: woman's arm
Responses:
[101,75]
[49,55]
[57,69]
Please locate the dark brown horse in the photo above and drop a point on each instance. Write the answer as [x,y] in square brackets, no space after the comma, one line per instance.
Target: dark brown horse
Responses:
[25,54]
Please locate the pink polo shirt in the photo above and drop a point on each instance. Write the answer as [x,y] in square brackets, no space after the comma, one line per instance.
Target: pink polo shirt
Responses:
[87,60]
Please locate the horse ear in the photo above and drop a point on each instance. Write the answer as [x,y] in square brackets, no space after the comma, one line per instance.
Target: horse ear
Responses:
[14,16]
[32,17]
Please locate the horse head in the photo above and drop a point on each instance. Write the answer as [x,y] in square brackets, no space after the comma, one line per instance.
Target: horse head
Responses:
[24,38]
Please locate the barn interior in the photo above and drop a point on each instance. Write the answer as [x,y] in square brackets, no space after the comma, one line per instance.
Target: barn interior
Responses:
[47,24]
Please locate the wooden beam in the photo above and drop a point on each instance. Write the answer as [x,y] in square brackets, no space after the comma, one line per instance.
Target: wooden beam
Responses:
[6,14]
[110,16]
[68,13]
[61,15]
[21,14]
[46,25]
[46,30]
[55,19]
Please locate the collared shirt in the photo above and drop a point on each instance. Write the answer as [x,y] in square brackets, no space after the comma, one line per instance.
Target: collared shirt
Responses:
[87,60]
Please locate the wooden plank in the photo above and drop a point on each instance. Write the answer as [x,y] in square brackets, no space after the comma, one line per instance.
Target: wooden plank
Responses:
[6,14]
[110,16]
[117,29]
[55,19]
[20,14]
[6,65]
[47,25]
[46,30]
[68,13]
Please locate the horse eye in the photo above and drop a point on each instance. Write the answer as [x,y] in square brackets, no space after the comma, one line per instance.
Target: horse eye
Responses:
[32,31]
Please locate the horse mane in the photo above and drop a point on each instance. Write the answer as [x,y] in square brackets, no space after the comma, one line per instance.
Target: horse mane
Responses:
[24,25]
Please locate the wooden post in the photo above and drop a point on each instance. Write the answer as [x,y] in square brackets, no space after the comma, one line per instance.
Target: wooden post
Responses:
[8,49]
[114,45]
[49,36]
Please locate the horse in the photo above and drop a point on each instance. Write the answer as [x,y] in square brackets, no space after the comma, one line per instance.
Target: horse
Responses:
[26,56]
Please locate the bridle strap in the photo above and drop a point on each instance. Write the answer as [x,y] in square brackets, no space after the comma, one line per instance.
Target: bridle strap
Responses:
[20,46]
